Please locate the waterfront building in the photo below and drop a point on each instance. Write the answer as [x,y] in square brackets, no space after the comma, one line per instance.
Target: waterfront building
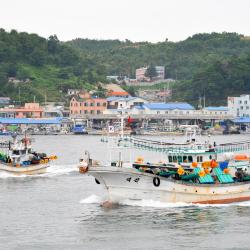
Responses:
[172,108]
[30,110]
[215,111]
[116,105]
[85,104]
[239,106]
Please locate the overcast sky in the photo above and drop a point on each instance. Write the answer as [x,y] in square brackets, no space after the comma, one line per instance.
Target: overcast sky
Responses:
[136,20]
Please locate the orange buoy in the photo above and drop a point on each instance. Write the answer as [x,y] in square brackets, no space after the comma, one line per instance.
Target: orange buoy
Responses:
[139,160]
[180,171]
[207,170]
[194,164]
[83,170]
[214,164]
[226,171]
[202,173]
[240,157]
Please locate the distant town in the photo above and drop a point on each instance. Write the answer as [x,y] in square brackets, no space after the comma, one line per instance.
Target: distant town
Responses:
[150,110]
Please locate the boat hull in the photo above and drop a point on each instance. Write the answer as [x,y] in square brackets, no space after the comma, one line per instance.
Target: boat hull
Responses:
[128,183]
[28,170]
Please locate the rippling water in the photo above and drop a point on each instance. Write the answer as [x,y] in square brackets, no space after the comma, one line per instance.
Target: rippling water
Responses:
[61,210]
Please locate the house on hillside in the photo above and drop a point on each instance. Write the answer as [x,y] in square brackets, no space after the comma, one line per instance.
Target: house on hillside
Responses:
[118,94]
[4,101]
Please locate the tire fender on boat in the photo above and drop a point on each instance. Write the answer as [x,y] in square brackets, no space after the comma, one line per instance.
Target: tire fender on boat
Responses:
[156,181]
[97,182]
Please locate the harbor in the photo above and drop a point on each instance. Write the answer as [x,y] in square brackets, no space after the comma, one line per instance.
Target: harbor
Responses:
[66,207]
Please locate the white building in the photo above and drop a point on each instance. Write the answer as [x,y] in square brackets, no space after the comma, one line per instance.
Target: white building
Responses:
[124,104]
[239,106]
[160,71]
[71,92]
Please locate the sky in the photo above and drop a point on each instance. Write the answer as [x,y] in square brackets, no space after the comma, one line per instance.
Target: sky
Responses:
[136,20]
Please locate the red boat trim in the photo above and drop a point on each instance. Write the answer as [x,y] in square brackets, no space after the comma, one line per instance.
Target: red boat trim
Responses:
[224,201]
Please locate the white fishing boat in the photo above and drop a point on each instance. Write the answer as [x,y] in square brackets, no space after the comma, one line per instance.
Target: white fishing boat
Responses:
[17,157]
[192,172]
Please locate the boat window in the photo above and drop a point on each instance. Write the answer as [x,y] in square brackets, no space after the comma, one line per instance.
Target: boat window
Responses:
[170,158]
[185,158]
[190,158]
[199,158]
[210,157]
[179,158]
[16,152]
[174,159]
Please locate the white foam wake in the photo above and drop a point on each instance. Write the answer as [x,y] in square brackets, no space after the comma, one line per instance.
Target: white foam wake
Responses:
[60,170]
[92,199]
[52,171]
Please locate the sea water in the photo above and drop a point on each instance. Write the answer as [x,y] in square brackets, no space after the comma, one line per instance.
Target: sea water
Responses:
[62,209]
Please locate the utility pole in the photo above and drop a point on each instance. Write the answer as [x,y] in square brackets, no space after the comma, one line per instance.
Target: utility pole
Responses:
[204,101]
[19,95]
[45,98]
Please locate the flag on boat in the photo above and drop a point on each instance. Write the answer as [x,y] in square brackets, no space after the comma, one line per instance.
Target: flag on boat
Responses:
[130,120]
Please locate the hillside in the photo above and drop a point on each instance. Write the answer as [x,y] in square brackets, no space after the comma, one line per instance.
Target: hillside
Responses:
[42,67]
[214,65]
[185,61]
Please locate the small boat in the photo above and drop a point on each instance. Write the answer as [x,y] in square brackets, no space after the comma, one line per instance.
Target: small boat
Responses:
[17,157]
[79,129]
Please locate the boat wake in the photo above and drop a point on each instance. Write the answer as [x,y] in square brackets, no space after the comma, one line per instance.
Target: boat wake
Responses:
[52,171]
[60,170]
[94,199]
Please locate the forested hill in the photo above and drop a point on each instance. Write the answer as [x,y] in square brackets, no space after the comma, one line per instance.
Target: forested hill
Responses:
[215,65]
[43,67]
[182,59]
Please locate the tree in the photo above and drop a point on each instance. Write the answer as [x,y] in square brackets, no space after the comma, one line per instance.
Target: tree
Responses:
[151,72]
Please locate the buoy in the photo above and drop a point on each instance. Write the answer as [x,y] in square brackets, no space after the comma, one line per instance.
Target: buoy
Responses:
[202,173]
[207,170]
[214,164]
[139,160]
[226,171]
[83,170]
[240,157]
[194,164]
[206,164]
[180,171]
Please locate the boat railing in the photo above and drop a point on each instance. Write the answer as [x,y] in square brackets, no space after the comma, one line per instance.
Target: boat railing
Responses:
[161,146]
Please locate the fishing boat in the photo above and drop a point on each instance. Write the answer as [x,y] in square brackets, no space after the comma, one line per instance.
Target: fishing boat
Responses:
[17,157]
[192,173]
